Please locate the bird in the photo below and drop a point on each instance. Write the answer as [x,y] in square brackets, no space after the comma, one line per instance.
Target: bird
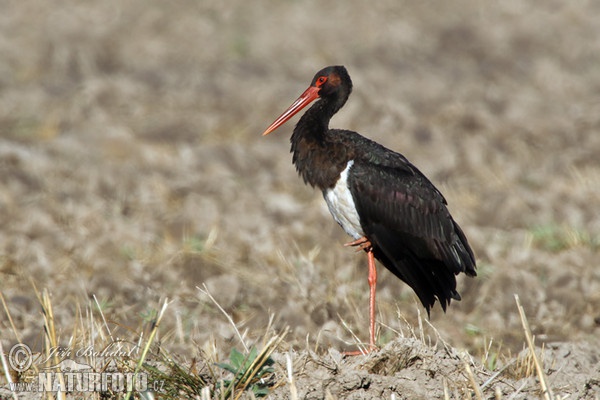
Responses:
[389,208]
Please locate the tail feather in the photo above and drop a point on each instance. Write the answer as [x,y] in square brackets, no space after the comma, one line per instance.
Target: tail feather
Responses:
[429,277]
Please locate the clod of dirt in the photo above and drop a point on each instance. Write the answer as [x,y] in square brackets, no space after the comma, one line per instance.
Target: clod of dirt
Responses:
[410,369]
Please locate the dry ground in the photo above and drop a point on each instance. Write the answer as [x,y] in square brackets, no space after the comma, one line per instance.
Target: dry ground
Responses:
[132,169]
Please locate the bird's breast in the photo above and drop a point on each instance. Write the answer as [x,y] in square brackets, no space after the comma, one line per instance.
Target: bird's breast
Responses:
[341,204]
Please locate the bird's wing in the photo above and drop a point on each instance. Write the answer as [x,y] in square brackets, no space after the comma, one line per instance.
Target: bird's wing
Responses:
[391,192]
[367,150]
[404,200]
[412,232]
[406,203]
[374,154]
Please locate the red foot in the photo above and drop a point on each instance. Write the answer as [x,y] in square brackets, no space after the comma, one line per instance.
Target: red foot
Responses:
[364,352]
[363,244]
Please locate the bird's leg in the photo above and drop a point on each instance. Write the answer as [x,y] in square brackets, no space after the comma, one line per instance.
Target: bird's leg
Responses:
[372,287]
[363,244]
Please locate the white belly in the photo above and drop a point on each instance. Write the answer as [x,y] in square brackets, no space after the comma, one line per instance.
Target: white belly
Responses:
[341,205]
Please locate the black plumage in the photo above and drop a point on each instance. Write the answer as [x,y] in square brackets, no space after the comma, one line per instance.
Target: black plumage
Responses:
[403,216]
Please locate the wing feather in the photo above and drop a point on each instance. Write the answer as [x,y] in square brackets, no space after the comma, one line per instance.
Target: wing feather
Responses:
[406,219]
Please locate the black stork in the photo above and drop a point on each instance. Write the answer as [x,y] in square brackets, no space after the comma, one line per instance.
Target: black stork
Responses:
[390,209]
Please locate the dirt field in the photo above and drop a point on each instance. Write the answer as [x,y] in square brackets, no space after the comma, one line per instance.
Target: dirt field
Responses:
[132,169]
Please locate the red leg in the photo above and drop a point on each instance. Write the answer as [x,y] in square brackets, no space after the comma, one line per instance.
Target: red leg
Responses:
[372,287]
[365,244]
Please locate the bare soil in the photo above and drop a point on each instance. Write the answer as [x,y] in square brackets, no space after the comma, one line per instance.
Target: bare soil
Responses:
[132,169]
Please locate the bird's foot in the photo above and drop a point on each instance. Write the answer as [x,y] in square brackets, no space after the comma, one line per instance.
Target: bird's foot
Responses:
[362,352]
[363,244]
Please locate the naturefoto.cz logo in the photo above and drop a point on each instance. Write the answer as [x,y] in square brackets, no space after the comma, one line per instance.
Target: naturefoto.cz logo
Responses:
[41,374]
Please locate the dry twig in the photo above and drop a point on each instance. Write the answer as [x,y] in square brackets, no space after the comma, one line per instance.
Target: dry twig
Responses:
[548,395]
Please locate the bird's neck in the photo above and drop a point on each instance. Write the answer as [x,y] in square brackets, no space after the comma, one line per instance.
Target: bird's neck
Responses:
[313,156]
[314,123]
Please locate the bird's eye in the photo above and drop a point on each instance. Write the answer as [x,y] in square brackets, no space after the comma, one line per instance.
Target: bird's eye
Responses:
[320,81]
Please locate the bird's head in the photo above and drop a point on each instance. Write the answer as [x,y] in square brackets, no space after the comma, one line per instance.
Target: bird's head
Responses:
[330,83]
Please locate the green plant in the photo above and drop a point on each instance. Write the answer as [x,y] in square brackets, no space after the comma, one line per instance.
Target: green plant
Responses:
[249,372]
[556,238]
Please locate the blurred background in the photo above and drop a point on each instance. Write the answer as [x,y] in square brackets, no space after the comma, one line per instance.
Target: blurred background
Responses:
[132,166]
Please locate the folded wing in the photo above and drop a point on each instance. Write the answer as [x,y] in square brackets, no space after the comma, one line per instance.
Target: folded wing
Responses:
[413,234]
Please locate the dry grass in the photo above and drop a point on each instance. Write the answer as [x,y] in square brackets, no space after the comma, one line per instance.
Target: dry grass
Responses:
[206,378]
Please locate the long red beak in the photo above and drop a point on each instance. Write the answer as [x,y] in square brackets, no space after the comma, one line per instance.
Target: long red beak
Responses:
[305,98]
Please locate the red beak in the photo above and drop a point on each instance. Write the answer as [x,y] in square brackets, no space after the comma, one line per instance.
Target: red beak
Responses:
[305,99]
